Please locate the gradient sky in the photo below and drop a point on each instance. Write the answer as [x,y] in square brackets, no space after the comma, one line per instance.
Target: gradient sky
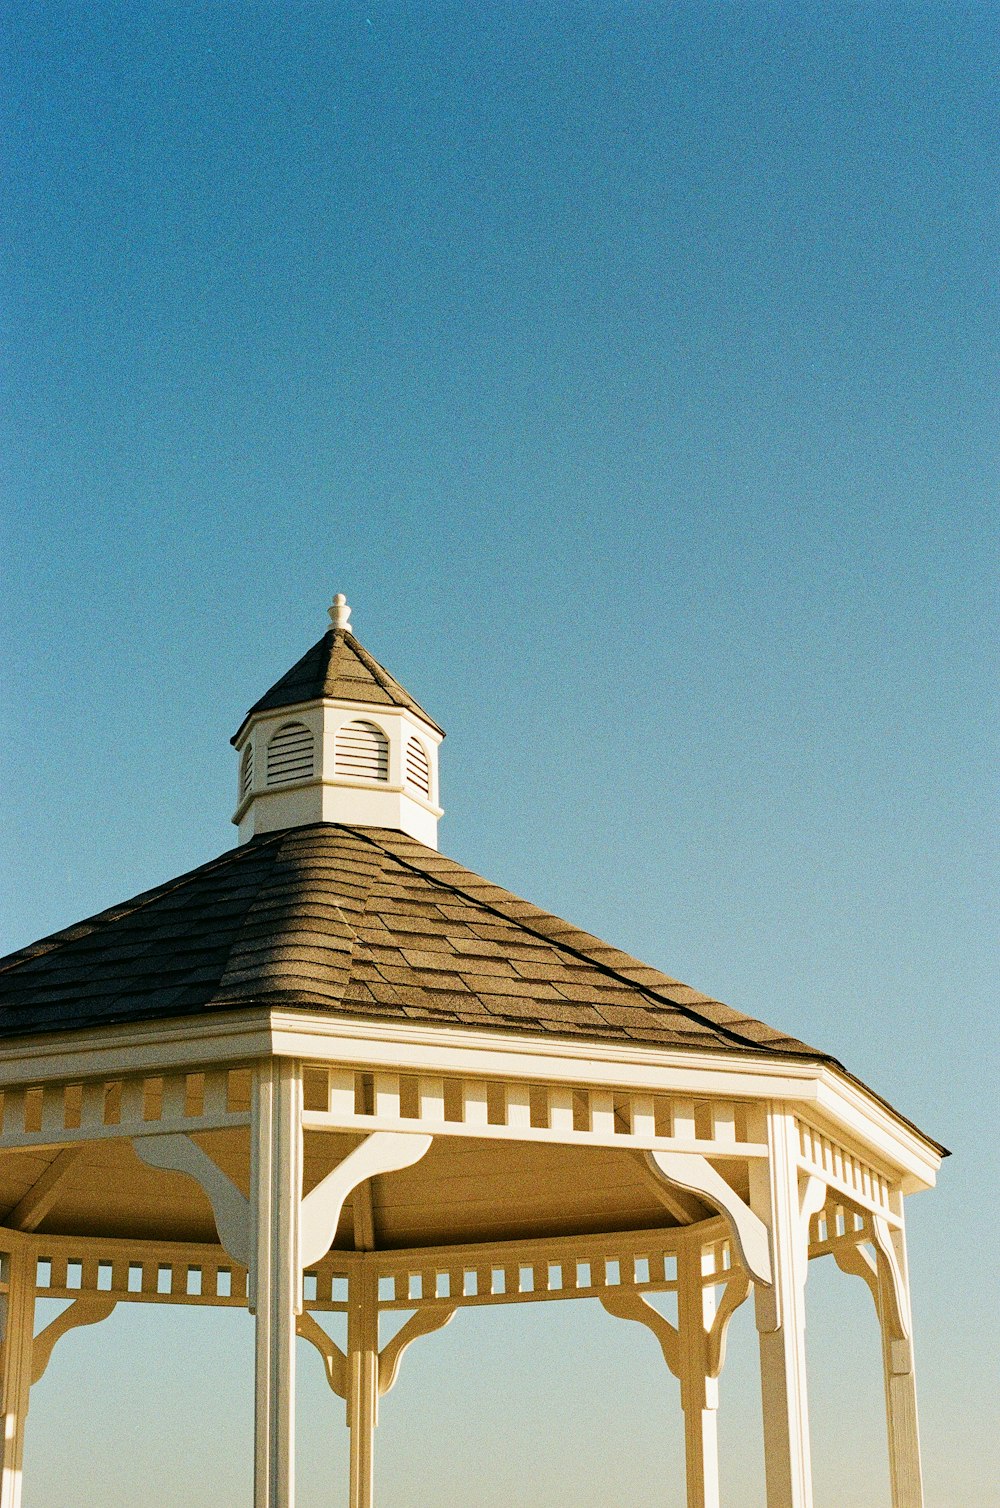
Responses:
[633,370]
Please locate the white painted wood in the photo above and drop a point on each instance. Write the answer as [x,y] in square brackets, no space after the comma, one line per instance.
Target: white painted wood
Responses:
[736,1292]
[699,1389]
[133,1106]
[625,1303]
[88,1310]
[363,1215]
[518,1109]
[826,1159]
[696,1174]
[31,1209]
[858,1262]
[17,1308]
[179,1154]
[685,1207]
[134,1262]
[424,1322]
[475,1109]
[812,1197]
[896,1300]
[244,1036]
[382,1152]
[780,1310]
[602,1126]
[275,1275]
[905,1470]
[886,1278]
[693,1350]
[641,1114]
[362,1382]
[325,792]
[334,1359]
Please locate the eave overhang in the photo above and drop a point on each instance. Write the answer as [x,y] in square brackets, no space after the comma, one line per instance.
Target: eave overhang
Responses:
[824,1090]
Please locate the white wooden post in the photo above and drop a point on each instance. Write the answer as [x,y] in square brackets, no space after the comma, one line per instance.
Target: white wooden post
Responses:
[699,1391]
[18,1335]
[780,1313]
[276,1275]
[362,1381]
[905,1472]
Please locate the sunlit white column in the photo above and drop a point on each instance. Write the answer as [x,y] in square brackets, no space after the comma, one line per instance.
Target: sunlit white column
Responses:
[276,1275]
[362,1382]
[780,1313]
[17,1307]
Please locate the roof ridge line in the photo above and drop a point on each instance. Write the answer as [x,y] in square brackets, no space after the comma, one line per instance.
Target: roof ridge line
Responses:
[356,925]
[685,1010]
[59,939]
[381,675]
[369,661]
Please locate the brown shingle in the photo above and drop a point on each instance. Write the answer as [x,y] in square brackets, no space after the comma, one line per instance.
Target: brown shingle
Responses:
[357,921]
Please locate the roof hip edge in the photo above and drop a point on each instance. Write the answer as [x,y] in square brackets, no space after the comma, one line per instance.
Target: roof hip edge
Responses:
[738,1038]
[53,941]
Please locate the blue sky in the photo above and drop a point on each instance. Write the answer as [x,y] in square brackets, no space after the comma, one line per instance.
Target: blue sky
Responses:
[633,370]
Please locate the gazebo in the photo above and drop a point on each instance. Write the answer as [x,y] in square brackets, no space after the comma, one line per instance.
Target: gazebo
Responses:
[334,1071]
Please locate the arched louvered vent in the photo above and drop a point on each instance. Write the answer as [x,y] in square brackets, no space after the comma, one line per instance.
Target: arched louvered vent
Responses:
[363,750]
[418,770]
[246,772]
[290,754]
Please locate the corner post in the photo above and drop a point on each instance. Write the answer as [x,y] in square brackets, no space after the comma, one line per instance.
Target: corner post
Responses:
[905,1473]
[780,1314]
[18,1310]
[275,1274]
[699,1389]
[362,1380]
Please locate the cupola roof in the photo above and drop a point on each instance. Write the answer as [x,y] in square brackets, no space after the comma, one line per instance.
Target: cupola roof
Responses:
[338,739]
[337,668]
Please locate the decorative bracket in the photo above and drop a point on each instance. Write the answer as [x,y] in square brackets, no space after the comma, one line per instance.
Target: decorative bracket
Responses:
[737,1290]
[381,1152]
[320,1210]
[893,1284]
[812,1197]
[695,1173]
[811,1200]
[177,1153]
[884,1276]
[625,1303]
[334,1360]
[83,1311]
[423,1322]
[855,1259]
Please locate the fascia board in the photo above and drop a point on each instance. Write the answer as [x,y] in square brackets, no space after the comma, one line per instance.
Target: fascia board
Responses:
[137,1047]
[244,1036]
[843,1101]
[836,1098]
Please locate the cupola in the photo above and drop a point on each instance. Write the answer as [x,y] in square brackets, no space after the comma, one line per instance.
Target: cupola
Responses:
[337,739]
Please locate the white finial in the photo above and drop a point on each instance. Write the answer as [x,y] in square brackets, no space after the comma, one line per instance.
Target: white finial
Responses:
[340,613]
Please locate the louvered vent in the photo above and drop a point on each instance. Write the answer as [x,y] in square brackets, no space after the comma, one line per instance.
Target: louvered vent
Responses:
[246,771]
[418,770]
[290,755]
[363,750]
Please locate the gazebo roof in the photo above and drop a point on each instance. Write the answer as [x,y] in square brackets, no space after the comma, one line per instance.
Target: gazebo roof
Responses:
[336,668]
[364,923]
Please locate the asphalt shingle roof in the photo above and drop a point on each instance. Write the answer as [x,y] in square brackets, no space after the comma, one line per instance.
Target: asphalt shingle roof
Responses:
[340,668]
[362,922]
